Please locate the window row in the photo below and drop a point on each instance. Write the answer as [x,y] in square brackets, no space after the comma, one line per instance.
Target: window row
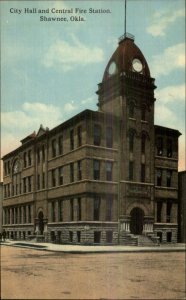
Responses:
[27,158]
[79,236]
[132,141]
[164,147]
[18,186]
[98,136]
[131,172]
[164,212]
[57,144]
[71,209]
[164,178]
[57,175]
[40,154]
[17,215]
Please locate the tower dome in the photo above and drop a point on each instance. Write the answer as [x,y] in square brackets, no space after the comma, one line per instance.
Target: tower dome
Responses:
[127,58]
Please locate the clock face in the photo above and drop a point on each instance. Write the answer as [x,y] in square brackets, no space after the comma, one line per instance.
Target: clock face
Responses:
[112,68]
[137,65]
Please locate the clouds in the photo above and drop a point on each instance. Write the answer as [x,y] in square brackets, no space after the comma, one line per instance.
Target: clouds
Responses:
[172,58]
[174,93]
[161,20]
[68,56]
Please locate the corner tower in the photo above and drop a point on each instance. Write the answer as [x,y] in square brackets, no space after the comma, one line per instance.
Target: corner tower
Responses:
[127,91]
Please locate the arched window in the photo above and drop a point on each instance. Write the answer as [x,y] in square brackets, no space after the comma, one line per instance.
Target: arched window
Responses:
[131,110]
[143,113]
[143,141]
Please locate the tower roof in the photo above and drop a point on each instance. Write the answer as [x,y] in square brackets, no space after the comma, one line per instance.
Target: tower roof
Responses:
[126,58]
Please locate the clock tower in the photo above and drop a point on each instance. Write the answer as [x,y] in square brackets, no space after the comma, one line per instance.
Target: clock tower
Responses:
[127,91]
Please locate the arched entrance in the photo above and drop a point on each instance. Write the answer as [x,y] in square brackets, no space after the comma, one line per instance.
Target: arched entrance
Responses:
[137,220]
[40,223]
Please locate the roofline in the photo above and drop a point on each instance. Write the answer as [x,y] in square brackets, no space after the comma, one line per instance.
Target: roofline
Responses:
[167,129]
[85,112]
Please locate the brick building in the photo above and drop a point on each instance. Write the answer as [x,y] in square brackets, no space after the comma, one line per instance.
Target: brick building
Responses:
[182,207]
[1,205]
[106,176]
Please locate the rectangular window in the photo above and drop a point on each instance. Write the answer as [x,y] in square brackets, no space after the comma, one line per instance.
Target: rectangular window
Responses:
[8,168]
[159,209]
[79,134]
[71,236]
[131,142]
[38,156]
[142,172]
[143,141]
[97,237]
[29,184]
[109,237]
[169,177]
[25,160]
[5,194]
[24,185]
[169,148]
[60,210]
[131,170]
[71,172]
[96,169]
[60,142]
[169,237]
[159,177]
[143,114]
[109,137]
[43,152]
[109,203]
[12,189]
[60,170]
[29,157]
[71,139]
[169,207]
[38,182]
[43,180]
[160,146]
[97,135]
[97,202]
[159,234]
[79,209]
[71,209]
[79,236]
[53,178]
[29,214]
[54,148]
[24,214]
[9,190]
[79,171]
[131,110]
[53,213]
[16,219]
[109,170]
[20,214]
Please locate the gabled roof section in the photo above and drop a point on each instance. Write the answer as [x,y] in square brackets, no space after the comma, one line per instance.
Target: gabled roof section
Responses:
[42,131]
[28,138]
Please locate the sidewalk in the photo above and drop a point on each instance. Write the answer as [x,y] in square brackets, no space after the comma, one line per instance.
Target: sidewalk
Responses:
[93,249]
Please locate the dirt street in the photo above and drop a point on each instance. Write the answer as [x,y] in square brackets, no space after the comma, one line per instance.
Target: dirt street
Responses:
[33,274]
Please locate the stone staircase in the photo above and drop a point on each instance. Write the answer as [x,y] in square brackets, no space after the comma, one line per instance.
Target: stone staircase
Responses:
[128,239]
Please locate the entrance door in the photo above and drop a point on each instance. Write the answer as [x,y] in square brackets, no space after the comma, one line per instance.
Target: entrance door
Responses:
[137,220]
[41,223]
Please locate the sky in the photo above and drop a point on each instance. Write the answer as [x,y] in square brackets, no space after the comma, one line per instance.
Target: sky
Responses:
[50,69]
